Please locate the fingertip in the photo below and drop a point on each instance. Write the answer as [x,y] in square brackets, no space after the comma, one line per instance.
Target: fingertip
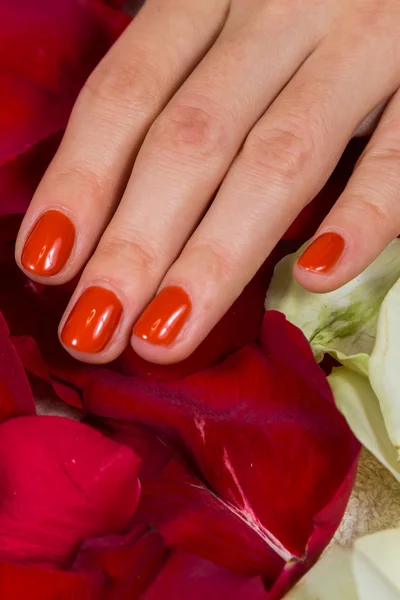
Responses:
[319,269]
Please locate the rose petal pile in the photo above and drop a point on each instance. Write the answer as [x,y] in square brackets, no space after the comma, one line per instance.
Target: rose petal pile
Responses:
[245,464]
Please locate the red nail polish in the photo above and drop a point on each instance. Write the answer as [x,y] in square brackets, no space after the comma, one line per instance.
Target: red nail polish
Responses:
[165,316]
[323,253]
[49,244]
[92,321]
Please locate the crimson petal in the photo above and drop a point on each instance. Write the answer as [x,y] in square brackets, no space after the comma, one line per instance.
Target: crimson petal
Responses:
[46,54]
[261,431]
[62,482]
[129,563]
[186,576]
[15,394]
[21,582]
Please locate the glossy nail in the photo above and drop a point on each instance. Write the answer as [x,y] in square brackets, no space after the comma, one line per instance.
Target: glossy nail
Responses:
[92,321]
[165,316]
[49,244]
[323,253]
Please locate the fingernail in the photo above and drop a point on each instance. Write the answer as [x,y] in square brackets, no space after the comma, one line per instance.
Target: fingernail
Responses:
[324,252]
[92,321]
[49,244]
[165,316]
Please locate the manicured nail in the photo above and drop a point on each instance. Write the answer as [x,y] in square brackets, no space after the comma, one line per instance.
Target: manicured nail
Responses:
[324,252]
[49,244]
[92,321]
[165,316]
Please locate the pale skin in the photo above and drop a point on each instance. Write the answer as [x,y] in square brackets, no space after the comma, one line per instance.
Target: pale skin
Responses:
[203,133]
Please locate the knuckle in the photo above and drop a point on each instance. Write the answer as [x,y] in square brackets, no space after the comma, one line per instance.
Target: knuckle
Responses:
[386,158]
[376,16]
[215,258]
[75,179]
[135,85]
[128,254]
[185,129]
[364,202]
[284,152]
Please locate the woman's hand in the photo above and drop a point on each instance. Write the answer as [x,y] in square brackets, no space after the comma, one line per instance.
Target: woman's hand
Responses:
[248,104]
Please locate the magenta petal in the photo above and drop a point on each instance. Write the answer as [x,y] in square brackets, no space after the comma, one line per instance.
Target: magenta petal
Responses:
[62,482]
[15,394]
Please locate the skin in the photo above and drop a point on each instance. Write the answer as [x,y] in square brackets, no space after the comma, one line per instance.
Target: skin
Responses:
[201,136]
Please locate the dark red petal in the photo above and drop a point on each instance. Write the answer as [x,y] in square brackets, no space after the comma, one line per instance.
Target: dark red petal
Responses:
[188,577]
[260,429]
[15,394]
[62,482]
[188,507]
[129,563]
[46,54]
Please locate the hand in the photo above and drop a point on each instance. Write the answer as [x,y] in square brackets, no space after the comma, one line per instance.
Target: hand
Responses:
[194,144]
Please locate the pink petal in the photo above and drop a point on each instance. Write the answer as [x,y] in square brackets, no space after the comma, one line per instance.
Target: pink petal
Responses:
[62,482]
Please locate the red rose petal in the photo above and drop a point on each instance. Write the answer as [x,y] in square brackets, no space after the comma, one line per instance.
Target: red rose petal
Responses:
[19,582]
[15,394]
[62,482]
[129,563]
[47,52]
[260,428]
[186,576]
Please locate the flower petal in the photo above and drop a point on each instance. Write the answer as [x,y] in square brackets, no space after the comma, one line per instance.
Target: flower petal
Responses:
[20,582]
[15,394]
[376,566]
[335,567]
[384,373]
[357,401]
[46,55]
[260,430]
[62,482]
[129,563]
[187,576]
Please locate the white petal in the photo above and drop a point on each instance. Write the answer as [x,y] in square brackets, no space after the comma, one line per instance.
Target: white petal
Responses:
[331,578]
[376,566]
[357,401]
[384,364]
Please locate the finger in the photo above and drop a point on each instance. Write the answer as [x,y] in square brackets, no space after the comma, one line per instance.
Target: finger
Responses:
[283,164]
[182,162]
[370,122]
[122,97]
[365,218]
